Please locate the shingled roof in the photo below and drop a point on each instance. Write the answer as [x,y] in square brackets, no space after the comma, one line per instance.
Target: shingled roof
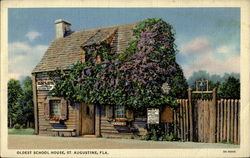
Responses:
[63,52]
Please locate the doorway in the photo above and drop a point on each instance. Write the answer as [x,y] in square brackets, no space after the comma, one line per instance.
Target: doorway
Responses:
[87,119]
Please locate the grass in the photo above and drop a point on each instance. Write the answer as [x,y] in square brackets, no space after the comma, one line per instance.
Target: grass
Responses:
[28,131]
[225,142]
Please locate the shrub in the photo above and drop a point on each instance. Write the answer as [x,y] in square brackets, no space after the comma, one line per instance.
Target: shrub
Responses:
[24,126]
[17,126]
[157,133]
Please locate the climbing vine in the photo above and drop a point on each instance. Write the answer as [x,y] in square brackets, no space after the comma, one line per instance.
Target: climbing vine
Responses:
[133,78]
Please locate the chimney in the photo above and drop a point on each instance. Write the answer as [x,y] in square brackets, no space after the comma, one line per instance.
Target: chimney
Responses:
[62,28]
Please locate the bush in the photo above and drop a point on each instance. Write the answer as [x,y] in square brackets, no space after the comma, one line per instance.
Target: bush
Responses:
[24,126]
[157,133]
[17,126]
[230,89]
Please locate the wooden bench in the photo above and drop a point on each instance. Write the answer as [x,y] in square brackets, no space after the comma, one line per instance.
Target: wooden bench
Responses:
[58,130]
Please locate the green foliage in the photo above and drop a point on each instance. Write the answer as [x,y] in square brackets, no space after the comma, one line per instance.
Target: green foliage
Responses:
[157,133]
[103,50]
[225,142]
[181,86]
[199,75]
[17,126]
[26,102]
[228,85]
[133,78]
[14,95]
[20,102]
[230,89]
[214,80]
[28,131]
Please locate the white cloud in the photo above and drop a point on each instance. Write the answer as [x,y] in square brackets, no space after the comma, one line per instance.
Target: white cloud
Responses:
[14,76]
[32,35]
[198,46]
[224,50]
[23,58]
[214,66]
[227,51]
[18,49]
[200,54]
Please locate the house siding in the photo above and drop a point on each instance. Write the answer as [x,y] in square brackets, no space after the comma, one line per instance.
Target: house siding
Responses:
[44,127]
[62,54]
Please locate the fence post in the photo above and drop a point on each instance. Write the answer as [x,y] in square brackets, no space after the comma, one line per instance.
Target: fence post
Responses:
[214,96]
[213,118]
[190,113]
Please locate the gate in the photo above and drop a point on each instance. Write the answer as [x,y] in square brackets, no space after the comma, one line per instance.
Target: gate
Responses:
[204,121]
[208,121]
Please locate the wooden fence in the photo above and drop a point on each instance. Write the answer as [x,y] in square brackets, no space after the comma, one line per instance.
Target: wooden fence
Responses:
[183,121]
[208,120]
[228,121]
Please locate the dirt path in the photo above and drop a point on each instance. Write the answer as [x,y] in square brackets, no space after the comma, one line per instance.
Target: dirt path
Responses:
[44,142]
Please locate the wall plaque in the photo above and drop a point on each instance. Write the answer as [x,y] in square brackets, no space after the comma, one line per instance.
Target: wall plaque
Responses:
[153,116]
[45,85]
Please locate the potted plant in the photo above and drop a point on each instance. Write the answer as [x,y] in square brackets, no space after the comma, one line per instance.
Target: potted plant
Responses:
[54,119]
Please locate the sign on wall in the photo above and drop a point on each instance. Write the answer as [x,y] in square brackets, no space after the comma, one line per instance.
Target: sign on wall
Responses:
[167,115]
[153,116]
[45,85]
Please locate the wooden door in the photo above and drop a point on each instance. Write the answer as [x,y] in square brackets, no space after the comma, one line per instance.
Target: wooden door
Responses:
[87,119]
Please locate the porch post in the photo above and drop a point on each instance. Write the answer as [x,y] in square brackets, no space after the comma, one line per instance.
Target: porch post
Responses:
[97,119]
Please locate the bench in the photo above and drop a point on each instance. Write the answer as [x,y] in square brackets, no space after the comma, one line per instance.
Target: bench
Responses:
[58,130]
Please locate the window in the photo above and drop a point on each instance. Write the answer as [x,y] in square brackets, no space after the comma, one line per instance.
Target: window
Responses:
[120,112]
[55,108]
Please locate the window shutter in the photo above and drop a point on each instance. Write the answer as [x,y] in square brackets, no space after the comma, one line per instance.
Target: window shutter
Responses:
[129,114]
[46,109]
[64,108]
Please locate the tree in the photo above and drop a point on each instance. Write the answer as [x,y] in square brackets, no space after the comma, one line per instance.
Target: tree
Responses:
[26,109]
[14,95]
[20,102]
[228,84]
[230,89]
[199,75]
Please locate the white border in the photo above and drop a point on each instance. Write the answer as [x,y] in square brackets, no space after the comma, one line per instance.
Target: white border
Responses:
[244,5]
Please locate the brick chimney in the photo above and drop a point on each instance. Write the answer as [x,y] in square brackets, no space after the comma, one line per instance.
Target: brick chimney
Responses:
[62,28]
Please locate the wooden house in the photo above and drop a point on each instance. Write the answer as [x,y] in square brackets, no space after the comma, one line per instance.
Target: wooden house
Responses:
[56,116]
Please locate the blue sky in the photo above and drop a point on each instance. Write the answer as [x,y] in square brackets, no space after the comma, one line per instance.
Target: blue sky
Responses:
[207,38]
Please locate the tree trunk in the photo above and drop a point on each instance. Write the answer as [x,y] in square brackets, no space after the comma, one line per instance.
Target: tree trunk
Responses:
[10,122]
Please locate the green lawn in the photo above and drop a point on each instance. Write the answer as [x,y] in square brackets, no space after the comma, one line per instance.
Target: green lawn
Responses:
[28,131]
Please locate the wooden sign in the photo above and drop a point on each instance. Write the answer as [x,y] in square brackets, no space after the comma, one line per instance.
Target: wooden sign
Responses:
[167,115]
[45,85]
[153,116]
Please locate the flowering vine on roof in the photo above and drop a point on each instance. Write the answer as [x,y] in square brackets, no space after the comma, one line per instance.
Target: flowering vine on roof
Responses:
[133,78]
